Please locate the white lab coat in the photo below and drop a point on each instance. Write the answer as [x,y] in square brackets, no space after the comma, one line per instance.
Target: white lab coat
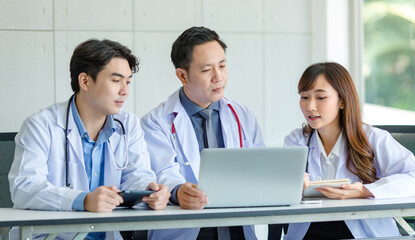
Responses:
[167,161]
[37,176]
[395,166]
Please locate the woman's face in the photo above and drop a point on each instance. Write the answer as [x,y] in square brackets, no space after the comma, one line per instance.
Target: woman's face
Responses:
[321,105]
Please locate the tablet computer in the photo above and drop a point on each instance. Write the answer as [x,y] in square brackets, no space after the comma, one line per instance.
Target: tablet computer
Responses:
[133,197]
[311,191]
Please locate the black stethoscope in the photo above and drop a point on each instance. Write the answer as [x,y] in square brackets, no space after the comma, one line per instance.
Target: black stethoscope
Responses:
[173,131]
[308,145]
[109,143]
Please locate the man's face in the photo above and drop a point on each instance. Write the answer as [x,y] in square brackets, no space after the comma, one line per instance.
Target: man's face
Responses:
[206,79]
[108,92]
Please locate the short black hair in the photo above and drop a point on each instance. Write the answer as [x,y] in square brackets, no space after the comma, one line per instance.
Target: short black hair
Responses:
[93,55]
[182,49]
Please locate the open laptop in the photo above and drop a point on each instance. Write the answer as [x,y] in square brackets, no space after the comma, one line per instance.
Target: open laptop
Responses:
[249,177]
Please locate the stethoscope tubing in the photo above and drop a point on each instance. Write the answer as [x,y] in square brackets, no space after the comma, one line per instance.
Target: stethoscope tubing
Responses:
[308,145]
[176,144]
[66,143]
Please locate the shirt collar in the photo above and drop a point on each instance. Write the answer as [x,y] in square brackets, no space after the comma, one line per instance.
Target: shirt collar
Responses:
[191,107]
[107,130]
[336,149]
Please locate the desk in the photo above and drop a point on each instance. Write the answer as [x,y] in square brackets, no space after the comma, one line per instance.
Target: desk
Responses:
[35,222]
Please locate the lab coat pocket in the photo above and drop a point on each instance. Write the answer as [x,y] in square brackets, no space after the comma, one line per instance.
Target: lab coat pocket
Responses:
[246,143]
[76,176]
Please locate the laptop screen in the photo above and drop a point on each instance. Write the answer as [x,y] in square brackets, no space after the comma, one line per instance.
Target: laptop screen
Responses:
[247,177]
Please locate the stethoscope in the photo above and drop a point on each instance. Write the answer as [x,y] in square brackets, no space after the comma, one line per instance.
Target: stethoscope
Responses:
[119,167]
[308,145]
[176,144]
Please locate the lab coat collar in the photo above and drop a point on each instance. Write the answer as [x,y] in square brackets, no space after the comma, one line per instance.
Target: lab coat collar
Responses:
[61,116]
[173,104]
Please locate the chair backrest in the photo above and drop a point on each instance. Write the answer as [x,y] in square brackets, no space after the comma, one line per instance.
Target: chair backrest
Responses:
[404,134]
[6,159]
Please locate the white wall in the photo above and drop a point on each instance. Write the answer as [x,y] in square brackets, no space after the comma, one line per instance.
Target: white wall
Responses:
[269,47]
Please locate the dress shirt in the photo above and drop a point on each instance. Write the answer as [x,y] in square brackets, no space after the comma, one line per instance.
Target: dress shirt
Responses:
[93,154]
[329,163]
[93,158]
[197,120]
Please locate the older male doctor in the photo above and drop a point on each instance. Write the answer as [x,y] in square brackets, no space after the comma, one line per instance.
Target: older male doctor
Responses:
[194,117]
[76,155]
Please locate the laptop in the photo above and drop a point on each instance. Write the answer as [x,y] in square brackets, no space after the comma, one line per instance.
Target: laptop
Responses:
[252,177]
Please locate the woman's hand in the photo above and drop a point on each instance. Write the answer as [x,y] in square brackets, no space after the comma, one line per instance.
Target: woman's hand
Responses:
[355,190]
[306,181]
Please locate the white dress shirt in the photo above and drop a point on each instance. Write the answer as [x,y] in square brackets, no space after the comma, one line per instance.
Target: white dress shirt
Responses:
[329,163]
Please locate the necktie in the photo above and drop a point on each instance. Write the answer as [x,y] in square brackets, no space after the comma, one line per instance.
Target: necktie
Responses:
[210,135]
[212,142]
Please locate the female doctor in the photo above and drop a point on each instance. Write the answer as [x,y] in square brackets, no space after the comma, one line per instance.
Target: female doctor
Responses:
[341,146]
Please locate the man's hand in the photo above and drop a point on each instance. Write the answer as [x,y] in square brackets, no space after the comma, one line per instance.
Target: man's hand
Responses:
[102,199]
[190,197]
[160,198]
[355,190]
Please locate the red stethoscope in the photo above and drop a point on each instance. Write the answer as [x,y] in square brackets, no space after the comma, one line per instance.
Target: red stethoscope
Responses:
[173,131]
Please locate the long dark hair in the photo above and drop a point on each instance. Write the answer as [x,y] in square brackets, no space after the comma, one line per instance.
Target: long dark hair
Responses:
[360,155]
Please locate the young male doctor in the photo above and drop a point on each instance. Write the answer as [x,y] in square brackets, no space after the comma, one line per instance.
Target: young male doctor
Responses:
[78,155]
[178,129]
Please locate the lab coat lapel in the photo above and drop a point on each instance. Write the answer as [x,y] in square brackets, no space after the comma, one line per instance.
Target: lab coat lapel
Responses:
[115,137]
[314,164]
[184,130]
[74,141]
[230,129]
[77,170]
[187,139]
[110,168]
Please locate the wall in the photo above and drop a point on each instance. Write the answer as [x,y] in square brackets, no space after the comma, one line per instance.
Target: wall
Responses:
[269,47]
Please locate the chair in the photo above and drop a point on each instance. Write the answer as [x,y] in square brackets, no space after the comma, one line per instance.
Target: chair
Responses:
[405,135]
[6,159]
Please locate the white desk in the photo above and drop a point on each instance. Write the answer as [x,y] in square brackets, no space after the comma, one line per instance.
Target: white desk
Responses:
[35,222]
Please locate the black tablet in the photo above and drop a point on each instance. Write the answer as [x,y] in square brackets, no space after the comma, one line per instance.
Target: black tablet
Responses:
[133,197]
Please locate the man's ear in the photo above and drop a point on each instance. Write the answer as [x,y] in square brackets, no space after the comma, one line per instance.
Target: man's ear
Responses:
[182,75]
[83,81]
